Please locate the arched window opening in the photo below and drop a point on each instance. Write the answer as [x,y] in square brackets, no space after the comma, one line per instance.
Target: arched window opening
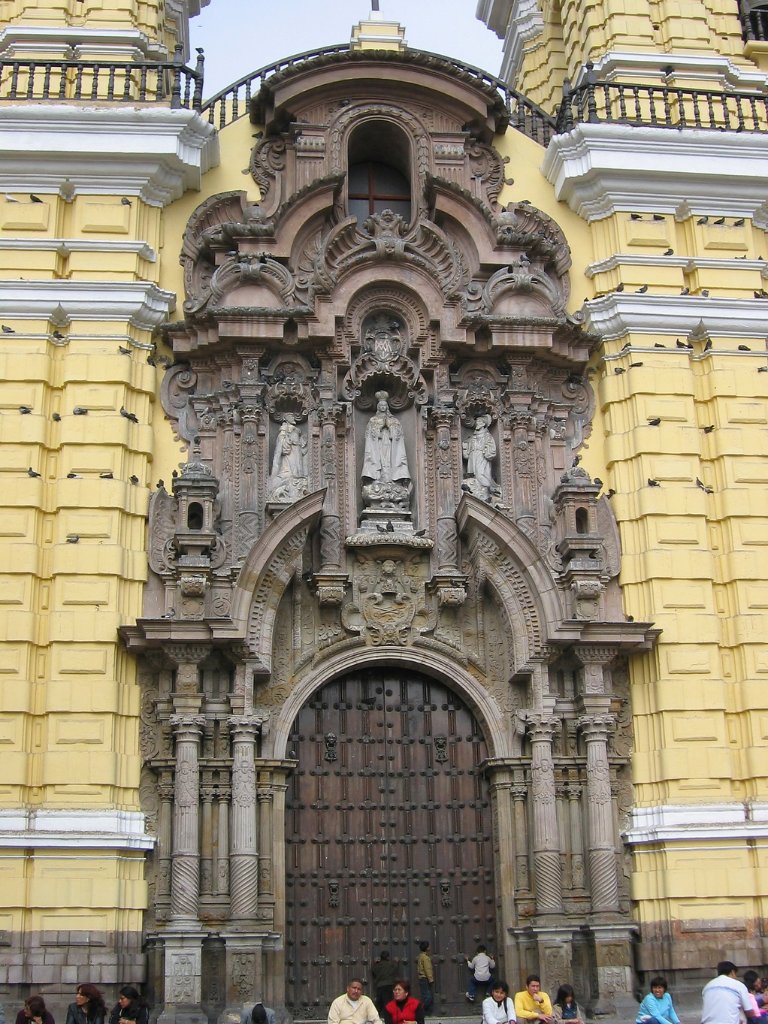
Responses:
[195,516]
[379,171]
[582,520]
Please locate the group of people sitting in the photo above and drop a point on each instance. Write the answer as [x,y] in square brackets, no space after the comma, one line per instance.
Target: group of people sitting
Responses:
[89,1008]
[530,1004]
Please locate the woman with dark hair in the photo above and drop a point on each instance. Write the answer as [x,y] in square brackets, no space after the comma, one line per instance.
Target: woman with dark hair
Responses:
[88,1007]
[403,1007]
[34,1012]
[498,1008]
[565,1006]
[129,1007]
[656,1007]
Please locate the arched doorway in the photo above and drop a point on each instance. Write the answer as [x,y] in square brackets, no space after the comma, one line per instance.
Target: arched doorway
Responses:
[388,836]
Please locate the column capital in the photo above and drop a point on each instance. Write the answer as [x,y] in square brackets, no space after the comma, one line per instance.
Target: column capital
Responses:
[247,725]
[186,654]
[191,724]
[334,413]
[596,726]
[540,727]
[595,654]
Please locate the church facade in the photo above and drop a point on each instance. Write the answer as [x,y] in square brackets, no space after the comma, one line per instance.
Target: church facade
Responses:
[384,545]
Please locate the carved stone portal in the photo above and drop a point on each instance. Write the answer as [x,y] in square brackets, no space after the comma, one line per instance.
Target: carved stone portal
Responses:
[383,416]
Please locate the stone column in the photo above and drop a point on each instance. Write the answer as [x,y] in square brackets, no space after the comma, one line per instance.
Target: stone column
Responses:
[546,839]
[164,842]
[329,417]
[601,842]
[206,841]
[520,795]
[500,779]
[222,866]
[244,857]
[266,879]
[573,792]
[441,421]
[185,855]
[524,463]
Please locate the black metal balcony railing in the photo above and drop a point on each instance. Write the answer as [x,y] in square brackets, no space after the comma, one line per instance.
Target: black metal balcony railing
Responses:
[656,106]
[168,82]
[234,101]
[754,22]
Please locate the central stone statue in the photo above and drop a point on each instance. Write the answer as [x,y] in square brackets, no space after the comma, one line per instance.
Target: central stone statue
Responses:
[386,476]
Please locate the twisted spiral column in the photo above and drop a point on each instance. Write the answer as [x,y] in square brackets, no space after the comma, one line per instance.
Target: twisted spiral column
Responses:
[185,858]
[244,857]
[546,840]
[601,843]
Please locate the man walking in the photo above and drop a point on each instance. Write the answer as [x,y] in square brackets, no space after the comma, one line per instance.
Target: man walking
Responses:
[725,998]
[353,1007]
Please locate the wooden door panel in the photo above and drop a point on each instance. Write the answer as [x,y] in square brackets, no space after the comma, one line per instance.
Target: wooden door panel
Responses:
[388,837]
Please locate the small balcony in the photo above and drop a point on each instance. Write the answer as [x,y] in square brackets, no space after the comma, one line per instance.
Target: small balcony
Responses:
[660,106]
[168,83]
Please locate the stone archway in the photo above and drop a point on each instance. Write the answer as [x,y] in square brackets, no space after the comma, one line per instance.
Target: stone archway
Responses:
[388,835]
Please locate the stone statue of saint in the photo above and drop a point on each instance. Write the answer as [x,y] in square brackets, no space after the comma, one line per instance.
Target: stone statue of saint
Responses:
[385,459]
[479,449]
[288,480]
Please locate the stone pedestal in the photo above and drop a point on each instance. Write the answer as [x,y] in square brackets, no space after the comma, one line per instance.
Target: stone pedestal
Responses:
[555,956]
[183,978]
[613,968]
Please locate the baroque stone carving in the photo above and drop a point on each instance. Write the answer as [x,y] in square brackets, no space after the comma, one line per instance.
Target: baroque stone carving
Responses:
[386,477]
[382,358]
[289,479]
[388,599]
[479,451]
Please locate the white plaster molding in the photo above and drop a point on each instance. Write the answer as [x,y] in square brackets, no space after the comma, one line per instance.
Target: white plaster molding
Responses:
[689,68]
[617,314]
[74,829]
[141,303]
[599,169]
[20,37]
[526,22]
[64,246]
[495,14]
[688,264]
[151,152]
[682,822]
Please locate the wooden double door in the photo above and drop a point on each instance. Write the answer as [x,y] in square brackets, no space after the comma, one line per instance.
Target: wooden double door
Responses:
[388,831]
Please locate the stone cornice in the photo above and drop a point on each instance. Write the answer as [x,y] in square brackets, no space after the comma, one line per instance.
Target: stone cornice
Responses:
[599,169]
[680,823]
[74,830]
[154,153]
[688,264]
[689,70]
[618,314]
[59,37]
[63,246]
[526,22]
[141,303]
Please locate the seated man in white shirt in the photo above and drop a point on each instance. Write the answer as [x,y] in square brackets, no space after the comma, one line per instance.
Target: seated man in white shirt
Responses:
[725,998]
[353,1007]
